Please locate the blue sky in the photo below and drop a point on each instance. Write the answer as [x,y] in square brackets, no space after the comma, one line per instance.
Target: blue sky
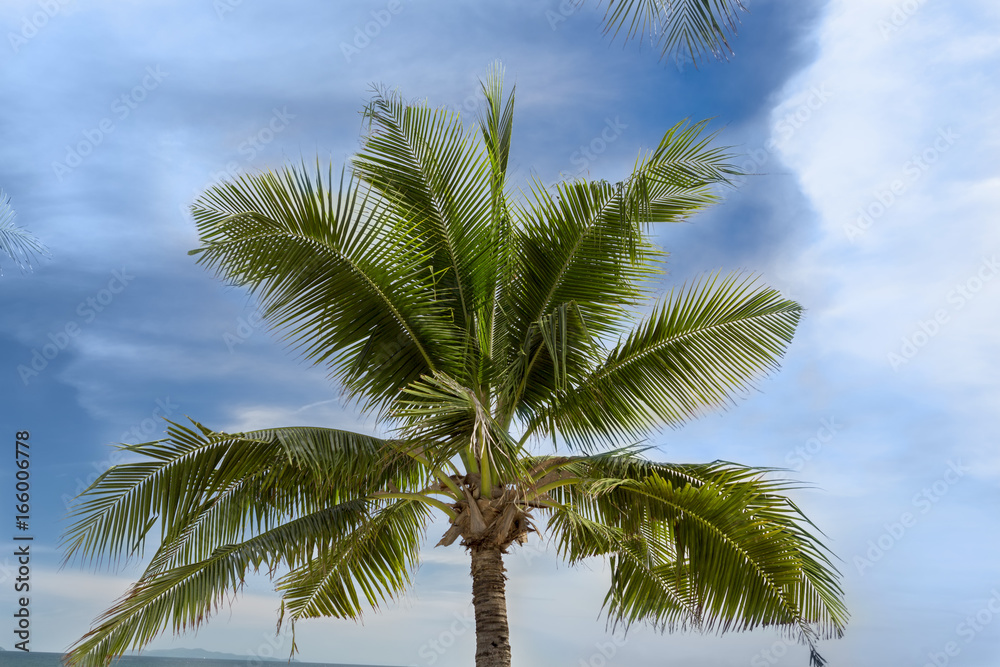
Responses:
[870,126]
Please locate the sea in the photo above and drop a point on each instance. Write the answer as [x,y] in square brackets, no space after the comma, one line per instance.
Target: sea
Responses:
[22,659]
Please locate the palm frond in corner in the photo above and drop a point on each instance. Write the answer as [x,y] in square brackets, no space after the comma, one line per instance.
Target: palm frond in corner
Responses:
[19,244]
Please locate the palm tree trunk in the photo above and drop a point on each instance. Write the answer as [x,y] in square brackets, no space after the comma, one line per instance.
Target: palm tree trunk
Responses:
[490,602]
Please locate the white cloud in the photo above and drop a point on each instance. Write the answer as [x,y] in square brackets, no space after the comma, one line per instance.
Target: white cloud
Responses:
[900,166]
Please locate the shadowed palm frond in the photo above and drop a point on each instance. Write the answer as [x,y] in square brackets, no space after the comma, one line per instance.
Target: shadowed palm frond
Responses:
[436,176]
[690,27]
[716,547]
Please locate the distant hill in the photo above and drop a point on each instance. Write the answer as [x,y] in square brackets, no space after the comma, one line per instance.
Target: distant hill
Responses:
[203,654]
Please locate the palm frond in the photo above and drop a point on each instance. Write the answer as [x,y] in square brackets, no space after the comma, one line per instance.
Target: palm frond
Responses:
[436,176]
[205,489]
[689,27]
[586,244]
[716,547]
[371,564]
[333,272]
[228,504]
[184,596]
[702,344]
[496,126]
[19,244]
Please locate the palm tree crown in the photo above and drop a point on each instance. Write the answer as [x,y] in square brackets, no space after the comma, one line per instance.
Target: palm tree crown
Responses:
[478,321]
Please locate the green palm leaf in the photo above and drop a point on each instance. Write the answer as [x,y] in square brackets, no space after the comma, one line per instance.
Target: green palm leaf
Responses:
[318,255]
[372,562]
[228,504]
[597,229]
[436,177]
[205,489]
[184,596]
[701,345]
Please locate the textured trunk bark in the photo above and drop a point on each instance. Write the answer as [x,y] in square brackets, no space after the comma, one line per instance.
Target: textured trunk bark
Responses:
[490,602]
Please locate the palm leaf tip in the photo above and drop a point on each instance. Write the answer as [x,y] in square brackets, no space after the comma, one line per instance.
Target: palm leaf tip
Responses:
[19,244]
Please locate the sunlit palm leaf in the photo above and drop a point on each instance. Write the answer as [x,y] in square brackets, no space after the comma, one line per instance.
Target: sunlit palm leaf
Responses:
[228,504]
[185,596]
[368,566]
[702,345]
[597,229]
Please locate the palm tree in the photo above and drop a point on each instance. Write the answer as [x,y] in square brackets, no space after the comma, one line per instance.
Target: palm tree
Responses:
[478,322]
[19,244]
